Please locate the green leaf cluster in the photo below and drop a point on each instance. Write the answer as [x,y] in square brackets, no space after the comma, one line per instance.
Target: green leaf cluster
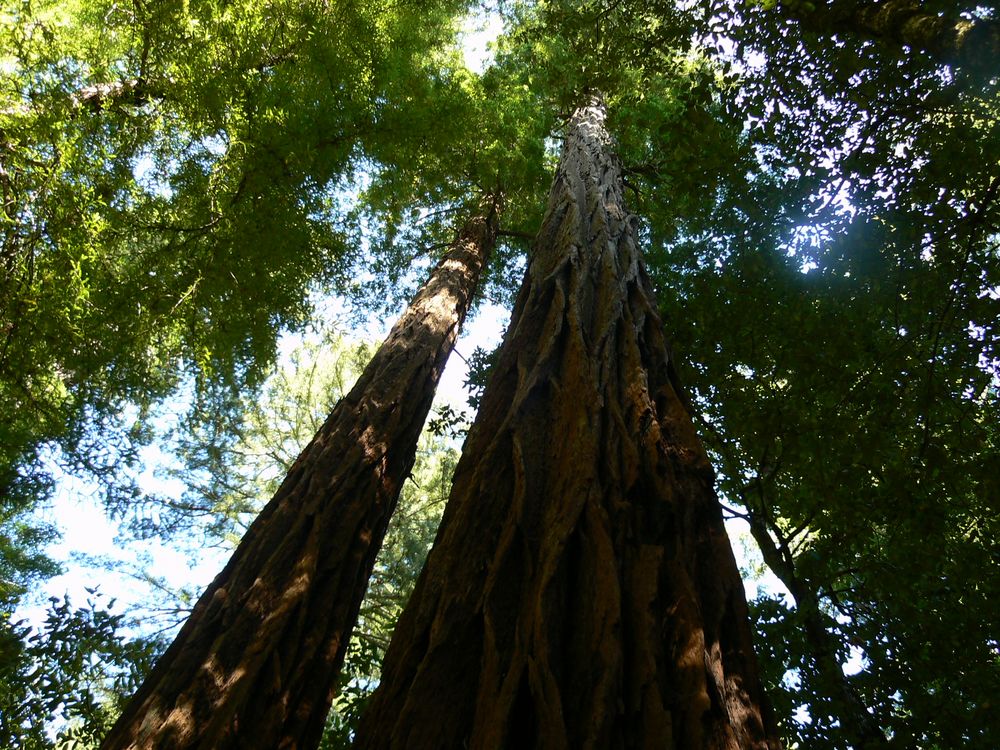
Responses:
[73,672]
[835,316]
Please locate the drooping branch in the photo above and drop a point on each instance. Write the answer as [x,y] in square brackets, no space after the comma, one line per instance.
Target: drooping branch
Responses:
[582,592]
[256,663]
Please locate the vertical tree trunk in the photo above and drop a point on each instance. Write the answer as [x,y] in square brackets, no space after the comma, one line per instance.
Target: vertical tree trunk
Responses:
[582,592]
[256,663]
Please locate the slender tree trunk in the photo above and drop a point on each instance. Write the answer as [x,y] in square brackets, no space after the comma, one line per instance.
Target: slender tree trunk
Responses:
[857,726]
[974,45]
[256,663]
[582,592]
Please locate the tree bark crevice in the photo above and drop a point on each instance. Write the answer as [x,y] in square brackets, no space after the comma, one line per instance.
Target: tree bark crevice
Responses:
[256,663]
[581,576]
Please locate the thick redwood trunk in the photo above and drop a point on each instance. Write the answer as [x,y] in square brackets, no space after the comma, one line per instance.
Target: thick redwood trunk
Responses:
[256,663]
[972,44]
[581,592]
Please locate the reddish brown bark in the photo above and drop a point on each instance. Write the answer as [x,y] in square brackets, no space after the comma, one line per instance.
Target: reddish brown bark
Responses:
[974,45]
[581,592]
[255,665]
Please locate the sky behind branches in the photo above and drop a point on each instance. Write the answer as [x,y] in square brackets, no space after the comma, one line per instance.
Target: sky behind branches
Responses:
[139,574]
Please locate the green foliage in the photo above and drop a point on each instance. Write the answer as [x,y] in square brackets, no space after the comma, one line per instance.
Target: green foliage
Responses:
[22,563]
[179,179]
[447,139]
[72,674]
[851,409]
[449,423]
[173,179]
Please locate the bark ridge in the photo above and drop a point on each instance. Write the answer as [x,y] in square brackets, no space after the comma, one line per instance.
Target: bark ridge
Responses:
[256,663]
[582,592]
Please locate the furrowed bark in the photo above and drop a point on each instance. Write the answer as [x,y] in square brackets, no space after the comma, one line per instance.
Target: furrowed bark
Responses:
[582,592]
[256,663]
[974,45]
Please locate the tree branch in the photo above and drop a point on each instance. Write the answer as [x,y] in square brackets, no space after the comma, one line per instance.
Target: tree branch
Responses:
[971,44]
